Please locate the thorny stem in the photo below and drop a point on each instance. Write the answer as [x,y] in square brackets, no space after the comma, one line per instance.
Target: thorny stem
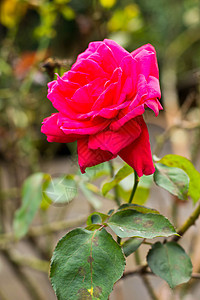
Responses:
[134,187]
[188,223]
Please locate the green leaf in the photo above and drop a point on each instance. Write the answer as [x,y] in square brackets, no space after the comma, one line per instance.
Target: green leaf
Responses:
[121,174]
[97,171]
[132,223]
[186,165]
[174,180]
[93,227]
[131,245]
[139,208]
[60,190]
[31,199]
[96,218]
[170,262]
[85,265]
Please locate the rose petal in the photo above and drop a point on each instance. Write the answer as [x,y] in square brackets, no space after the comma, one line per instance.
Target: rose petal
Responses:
[88,158]
[110,112]
[77,77]
[92,47]
[139,110]
[153,88]
[54,133]
[114,141]
[147,63]
[84,128]
[154,105]
[147,47]
[111,91]
[118,52]
[90,67]
[138,154]
[102,55]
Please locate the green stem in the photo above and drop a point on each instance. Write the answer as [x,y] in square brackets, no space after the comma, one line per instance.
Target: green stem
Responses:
[134,187]
[117,200]
[188,223]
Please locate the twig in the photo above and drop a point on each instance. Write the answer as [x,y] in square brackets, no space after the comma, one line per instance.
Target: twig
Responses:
[144,278]
[33,263]
[188,223]
[161,139]
[196,275]
[143,270]
[31,288]
[149,287]
[137,271]
[42,230]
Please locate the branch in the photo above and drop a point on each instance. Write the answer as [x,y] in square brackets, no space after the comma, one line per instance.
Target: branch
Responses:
[188,223]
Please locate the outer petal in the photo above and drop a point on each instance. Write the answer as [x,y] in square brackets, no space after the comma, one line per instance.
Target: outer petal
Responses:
[93,46]
[147,47]
[147,63]
[88,157]
[114,141]
[54,133]
[118,52]
[138,154]
[83,128]
[154,105]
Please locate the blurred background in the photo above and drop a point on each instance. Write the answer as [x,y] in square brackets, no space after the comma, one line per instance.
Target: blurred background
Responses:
[41,37]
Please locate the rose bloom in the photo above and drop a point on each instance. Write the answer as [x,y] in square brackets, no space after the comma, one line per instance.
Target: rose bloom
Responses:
[100,103]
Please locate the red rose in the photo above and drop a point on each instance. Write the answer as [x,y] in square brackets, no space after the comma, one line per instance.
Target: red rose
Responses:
[101,101]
